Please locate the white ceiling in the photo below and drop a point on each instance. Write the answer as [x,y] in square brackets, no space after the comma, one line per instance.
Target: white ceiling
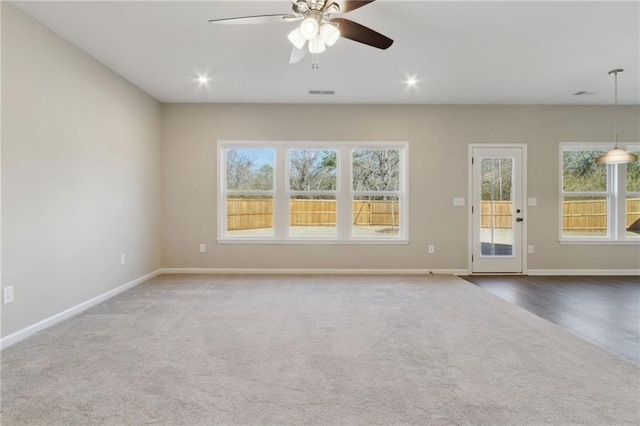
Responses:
[478,52]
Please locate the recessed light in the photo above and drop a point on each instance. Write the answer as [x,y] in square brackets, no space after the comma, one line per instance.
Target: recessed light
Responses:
[411,81]
[203,79]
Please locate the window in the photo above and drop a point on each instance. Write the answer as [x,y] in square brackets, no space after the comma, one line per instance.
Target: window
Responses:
[248,190]
[598,202]
[312,192]
[375,191]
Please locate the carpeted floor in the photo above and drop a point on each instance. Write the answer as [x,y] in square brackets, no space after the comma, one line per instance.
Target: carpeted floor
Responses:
[206,350]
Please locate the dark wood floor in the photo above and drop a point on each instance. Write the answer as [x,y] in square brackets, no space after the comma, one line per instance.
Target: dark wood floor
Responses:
[604,310]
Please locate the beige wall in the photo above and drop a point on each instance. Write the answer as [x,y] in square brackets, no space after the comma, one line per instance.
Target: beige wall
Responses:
[80,175]
[438,139]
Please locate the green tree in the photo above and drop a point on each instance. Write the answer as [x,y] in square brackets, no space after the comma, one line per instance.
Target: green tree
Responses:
[581,173]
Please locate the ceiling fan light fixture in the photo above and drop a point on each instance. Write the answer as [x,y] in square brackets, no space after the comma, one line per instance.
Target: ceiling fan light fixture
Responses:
[309,28]
[296,38]
[317,45]
[330,34]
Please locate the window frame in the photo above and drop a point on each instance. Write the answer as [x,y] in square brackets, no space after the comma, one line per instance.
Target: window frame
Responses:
[344,193]
[615,195]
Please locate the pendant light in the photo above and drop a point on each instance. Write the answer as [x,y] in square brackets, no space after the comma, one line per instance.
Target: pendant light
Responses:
[616,155]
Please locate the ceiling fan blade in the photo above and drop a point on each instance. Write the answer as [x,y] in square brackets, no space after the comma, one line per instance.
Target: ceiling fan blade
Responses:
[297,55]
[259,19]
[349,5]
[361,34]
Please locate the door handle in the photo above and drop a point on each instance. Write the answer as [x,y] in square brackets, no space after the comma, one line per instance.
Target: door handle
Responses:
[519,219]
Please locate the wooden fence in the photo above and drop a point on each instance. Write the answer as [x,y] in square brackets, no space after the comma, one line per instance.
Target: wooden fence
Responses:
[591,215]
[577,215]
[502,214]
[247,213]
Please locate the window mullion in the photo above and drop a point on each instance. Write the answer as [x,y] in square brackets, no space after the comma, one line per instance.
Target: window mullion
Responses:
[619,196]
[222,196]
[281,196]
[612,230]
[344,197]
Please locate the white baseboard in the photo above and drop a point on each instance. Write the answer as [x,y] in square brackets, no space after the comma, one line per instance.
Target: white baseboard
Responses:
[75,310]
[622,272]
[252,271]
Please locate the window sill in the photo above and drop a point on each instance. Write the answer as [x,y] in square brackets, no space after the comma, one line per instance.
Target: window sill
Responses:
[602,242]
[312,242]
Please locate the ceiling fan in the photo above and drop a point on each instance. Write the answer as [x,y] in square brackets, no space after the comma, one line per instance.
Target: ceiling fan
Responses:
[318,26]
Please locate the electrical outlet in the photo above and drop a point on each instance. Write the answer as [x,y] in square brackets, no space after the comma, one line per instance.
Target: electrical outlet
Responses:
[432,249]
[123,260]
[203,248]
[7,295]
[530,249]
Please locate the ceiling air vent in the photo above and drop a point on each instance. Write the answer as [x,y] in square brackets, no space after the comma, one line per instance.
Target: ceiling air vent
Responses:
[321,92]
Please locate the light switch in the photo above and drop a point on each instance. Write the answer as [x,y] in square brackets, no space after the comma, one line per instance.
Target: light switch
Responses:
[458,202]
[532,202]
[7,294]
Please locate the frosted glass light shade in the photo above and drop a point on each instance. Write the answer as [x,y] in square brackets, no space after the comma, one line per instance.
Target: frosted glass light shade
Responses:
[309,28]
[617,156]
[317,45]
[330,34]
[296,38]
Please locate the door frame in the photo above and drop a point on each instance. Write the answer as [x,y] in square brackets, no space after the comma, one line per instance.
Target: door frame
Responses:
[524,197]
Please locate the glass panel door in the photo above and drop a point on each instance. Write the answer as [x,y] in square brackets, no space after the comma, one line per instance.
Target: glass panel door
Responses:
[498,216]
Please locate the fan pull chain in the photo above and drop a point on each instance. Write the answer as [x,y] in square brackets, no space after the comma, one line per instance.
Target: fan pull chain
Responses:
[314,62]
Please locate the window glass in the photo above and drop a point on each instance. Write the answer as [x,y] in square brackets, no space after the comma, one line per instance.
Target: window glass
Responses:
[312,216]
[249,169]
[633,175]
[580,173]
[312,170]
[496,206]
[584,217]
[376,216]
[376,170]
[249,216]
[632,219]
[632,205]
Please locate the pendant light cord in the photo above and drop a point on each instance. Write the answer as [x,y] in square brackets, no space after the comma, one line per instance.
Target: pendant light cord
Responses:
[615,109]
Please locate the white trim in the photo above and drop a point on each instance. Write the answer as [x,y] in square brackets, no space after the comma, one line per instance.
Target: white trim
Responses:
[317,240]
[256,271]
[75,310]
[629,241]
[585,272]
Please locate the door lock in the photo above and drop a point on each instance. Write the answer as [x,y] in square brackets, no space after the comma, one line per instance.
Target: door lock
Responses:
[519,219]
